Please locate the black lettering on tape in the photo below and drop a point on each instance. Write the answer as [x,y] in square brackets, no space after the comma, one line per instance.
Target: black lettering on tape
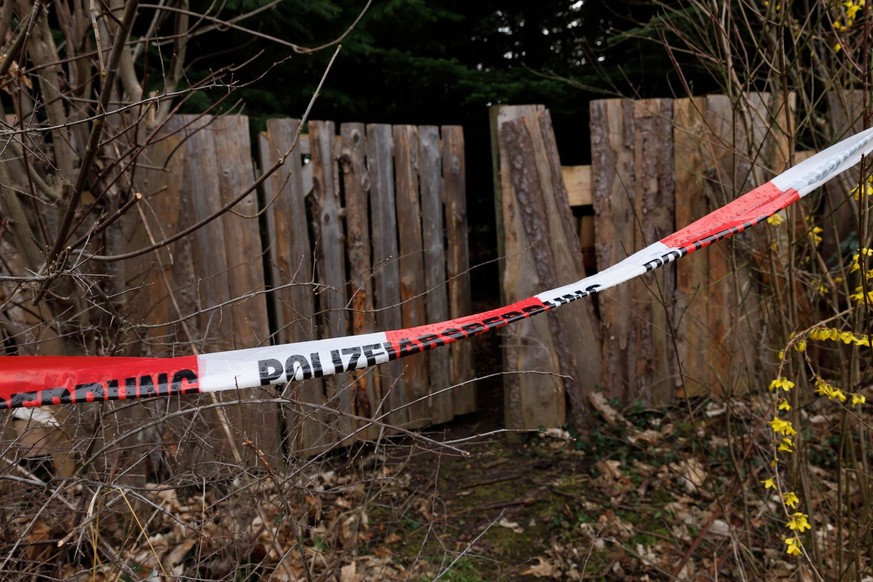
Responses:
[55,396]
[355,353]
[511,316]
[370,352]
[298,362]
[89,392]
[408,347]
[337,361]
[24,399]
[474,328]
[317,370]
[532,309]
[146,387]
[270,370]
[431,341]
[190,378]
[453,333]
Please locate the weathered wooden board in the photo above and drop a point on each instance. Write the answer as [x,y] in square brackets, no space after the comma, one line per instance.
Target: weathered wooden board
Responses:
[356,187]
[383,217]
[632,181]
[577,180]
[458,262]
[411,262]
[436,300]
[330,264]
[243,263]
[540,242]
[723,151]
[292,278]
[152,301]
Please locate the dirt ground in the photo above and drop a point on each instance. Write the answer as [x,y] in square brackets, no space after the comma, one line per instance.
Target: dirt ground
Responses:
[642,495]
[653,497]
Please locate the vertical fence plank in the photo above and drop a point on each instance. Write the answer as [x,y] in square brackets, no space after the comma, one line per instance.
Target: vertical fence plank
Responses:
[432,232]
[147,281]
[697,283]
[331,260]
[243,255]
[412,284]
[356,187]
[291,261]
[655,200]
[383,214]
[214,326]
[540,243]
[458,261]
[207,288]
[633,196]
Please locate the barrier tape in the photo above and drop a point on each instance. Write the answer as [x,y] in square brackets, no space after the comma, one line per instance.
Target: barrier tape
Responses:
[30,381]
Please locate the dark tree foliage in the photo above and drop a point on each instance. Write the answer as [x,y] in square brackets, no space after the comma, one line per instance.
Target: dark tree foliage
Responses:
[444,61]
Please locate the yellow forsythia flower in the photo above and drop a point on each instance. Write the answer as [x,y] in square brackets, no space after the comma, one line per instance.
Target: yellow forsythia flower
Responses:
[781,382]
[793,546]
[775,220]
[769,483]
[800,345]
[798,522]
[858,399]
[791,499]
[786,445]
[783,405]
[782,426]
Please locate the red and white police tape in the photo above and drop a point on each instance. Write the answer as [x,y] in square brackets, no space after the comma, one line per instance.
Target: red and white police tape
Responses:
[29,381]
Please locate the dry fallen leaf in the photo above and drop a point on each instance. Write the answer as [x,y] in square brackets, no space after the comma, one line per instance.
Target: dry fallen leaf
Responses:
[543,569]
[510,525]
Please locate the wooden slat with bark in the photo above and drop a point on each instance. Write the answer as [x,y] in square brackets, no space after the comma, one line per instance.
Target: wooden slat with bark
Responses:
[633,194]
[458,262]
[542,252]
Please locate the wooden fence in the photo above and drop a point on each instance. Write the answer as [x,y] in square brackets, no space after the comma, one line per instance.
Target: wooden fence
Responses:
[365,230]
[657,165]
[357,231]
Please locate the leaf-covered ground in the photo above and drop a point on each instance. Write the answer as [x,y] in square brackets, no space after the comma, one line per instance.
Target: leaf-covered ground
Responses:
[644,495]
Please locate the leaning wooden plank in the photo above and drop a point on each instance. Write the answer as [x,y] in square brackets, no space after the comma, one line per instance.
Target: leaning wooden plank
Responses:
[330,263]
[386,267]
[436,300]
[458,262]
[291,261]
[412,284]
[542,249]
[356,187]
